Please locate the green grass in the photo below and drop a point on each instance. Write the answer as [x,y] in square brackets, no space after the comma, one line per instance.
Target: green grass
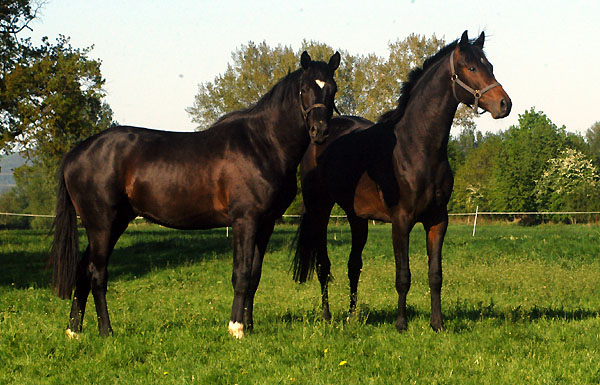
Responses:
[521,305]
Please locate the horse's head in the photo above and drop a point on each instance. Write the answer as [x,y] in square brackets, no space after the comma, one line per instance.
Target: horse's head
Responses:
[317,91]
[473,81]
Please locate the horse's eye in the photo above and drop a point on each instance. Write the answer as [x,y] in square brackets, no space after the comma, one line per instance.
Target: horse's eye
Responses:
[472,69]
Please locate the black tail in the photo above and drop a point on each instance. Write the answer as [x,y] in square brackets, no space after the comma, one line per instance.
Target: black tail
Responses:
[64,252]
[306,251]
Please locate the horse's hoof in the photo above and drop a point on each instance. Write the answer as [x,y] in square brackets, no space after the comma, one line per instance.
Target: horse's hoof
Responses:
[351,316]
[437,326]
[71,334]
[236,329]
[401,325]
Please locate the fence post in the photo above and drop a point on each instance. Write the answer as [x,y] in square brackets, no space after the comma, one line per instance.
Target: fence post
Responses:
[475,221]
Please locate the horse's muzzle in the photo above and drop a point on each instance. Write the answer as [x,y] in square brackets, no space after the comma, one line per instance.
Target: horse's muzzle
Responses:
[318,131]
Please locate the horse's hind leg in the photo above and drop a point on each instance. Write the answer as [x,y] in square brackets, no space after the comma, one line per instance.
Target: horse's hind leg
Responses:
[360,230]
[82,291]
[94,273]
[323,264]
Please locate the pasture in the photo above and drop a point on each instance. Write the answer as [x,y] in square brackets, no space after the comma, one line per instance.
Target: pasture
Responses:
[521,305]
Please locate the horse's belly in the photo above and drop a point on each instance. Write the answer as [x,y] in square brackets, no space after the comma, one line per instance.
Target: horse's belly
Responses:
[368,201]
[180,208]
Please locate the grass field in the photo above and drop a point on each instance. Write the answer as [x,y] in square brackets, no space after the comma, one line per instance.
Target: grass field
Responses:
[521,305]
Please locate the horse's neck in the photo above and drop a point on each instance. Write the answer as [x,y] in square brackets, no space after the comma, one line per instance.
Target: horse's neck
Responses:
[287,132]
[429,113]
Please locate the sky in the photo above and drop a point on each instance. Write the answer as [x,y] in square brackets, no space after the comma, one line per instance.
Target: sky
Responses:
[154,54]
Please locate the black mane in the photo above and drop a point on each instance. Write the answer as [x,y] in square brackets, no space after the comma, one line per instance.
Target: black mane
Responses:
[276,95]
[413,78]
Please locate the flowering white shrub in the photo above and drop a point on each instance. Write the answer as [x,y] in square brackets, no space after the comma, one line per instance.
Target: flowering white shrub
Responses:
[569,183]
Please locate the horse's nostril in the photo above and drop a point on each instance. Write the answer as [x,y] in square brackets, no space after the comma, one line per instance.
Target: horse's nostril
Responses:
[503,104]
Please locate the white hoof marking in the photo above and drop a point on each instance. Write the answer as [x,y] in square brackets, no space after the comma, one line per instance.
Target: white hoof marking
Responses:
[71,334]
[236,329]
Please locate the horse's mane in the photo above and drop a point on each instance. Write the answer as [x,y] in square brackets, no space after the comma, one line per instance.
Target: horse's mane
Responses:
[413,78]
[276,95]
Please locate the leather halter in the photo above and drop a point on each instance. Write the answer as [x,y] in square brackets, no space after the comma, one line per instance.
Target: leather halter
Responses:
[476,93]
[309,109]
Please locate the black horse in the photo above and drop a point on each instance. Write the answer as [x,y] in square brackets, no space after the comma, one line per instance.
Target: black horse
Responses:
[395,171]
[241,172]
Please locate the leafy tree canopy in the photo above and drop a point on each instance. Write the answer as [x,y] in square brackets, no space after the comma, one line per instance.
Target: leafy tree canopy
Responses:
[368,85]
[592,137]
[51,98]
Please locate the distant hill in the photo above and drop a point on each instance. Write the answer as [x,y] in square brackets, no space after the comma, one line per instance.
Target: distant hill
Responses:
[7,166]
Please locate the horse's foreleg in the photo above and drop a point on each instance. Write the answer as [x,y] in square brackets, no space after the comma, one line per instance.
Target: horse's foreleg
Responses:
[263,235]
[360,231]
[435,231]
[401,227]
[244,233]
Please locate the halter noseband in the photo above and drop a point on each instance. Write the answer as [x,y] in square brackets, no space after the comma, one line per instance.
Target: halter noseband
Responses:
[476,93]
[309,109]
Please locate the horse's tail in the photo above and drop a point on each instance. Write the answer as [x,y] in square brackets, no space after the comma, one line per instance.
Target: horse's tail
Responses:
[64,252]
[305,257]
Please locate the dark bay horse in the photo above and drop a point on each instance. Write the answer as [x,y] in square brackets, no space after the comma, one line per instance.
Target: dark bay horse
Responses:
[395,171]
[241,172]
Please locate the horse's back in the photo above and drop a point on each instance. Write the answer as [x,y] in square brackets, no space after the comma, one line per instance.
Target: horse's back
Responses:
[168,177]
[180,180]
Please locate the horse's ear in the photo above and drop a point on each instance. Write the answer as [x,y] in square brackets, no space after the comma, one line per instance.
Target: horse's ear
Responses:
[480,40]
[334,62]
[305,60]
[464,39]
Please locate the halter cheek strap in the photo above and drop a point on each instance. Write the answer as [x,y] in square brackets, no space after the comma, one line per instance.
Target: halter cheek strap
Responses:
[476,93]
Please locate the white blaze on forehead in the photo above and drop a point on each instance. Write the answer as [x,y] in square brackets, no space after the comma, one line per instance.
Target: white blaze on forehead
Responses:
[320,83]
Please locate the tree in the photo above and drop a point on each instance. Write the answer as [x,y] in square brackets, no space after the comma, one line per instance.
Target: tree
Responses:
[250,76]
[367,85]
[473,183]
[13,200]
[15,17]
[592,136]
[58,98]
[51,98]
[522,158]
[459,147]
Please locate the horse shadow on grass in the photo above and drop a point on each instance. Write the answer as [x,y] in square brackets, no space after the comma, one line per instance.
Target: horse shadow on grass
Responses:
[139,252]
[462,316]
[456,319]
